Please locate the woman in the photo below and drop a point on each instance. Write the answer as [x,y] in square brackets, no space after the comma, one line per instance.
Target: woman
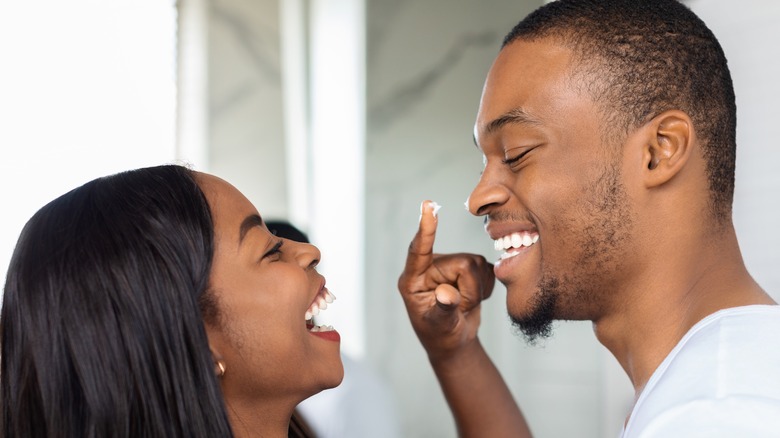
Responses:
[156,303]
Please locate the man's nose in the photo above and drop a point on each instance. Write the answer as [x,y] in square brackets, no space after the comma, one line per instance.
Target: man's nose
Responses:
[489,192]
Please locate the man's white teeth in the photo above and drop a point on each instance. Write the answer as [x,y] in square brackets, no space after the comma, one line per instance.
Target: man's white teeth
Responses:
[321,328]
[515,240]
[320,303]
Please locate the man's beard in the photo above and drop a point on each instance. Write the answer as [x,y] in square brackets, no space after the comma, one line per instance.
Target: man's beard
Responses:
[539,322]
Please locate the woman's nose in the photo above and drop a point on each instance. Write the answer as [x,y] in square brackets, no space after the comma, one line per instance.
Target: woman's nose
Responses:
[307,255]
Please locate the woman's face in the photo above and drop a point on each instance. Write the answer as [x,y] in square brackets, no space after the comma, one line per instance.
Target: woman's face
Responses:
[264,286]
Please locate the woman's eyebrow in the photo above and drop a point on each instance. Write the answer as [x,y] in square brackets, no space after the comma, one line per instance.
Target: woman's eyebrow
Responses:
[251,221]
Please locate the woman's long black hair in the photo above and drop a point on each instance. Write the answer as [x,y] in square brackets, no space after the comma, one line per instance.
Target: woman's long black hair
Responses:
[102,328]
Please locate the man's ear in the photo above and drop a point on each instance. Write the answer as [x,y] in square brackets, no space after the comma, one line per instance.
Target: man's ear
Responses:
[668,146]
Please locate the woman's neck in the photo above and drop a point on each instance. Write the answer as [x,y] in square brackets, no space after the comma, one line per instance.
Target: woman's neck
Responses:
[267,420]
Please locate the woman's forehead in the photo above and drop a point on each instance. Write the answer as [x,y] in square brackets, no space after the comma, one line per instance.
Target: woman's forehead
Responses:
[228,205]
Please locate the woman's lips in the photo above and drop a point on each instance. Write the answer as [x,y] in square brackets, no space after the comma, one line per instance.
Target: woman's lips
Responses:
[325,332]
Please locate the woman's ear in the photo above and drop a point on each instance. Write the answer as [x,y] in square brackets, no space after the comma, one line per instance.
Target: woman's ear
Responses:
[219,362]
[214,340]
[668,146]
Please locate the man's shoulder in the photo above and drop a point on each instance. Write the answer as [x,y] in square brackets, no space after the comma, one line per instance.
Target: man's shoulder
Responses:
[727,417]
[728,362]
[734,351]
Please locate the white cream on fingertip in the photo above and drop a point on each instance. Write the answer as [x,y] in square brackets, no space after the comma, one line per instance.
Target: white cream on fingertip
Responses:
[436,208]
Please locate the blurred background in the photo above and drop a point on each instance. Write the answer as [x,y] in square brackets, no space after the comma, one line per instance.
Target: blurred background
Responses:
[341,116]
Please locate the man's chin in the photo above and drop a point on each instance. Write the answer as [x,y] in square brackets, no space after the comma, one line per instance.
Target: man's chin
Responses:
[537,322]
[532,329]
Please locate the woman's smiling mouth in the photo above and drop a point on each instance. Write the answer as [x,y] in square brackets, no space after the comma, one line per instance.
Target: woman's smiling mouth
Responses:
[320,303]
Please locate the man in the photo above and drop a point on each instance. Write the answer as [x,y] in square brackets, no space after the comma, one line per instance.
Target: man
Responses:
[608,134]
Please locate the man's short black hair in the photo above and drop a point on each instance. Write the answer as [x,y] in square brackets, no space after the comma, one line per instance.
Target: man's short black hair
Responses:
[640,58]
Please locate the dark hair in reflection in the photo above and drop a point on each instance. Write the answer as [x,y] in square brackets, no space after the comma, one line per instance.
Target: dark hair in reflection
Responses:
[102,327]
[286,230]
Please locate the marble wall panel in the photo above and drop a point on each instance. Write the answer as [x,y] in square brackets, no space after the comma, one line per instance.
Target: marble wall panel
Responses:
[246,133]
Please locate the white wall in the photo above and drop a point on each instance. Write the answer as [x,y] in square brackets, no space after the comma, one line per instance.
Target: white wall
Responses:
[749,34]
[83,93]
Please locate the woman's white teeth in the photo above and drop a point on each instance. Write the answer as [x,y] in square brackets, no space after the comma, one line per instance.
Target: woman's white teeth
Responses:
[515,240]
[320,303]
[321,328]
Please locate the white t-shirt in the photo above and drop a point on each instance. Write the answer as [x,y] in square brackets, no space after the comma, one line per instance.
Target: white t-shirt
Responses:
[721,380]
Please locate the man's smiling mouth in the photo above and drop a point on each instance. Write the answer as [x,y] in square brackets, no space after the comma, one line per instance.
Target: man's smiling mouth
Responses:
[511,244]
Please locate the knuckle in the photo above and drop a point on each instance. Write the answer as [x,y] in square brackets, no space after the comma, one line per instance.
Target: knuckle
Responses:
[403,282]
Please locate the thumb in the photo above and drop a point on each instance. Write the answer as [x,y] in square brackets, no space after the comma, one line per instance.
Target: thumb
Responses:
[447,296]
[445,312]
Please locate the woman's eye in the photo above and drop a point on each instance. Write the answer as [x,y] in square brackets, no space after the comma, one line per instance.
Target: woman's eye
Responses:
[276,251]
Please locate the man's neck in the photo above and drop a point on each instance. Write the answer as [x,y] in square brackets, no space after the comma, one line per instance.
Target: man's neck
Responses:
[686,284]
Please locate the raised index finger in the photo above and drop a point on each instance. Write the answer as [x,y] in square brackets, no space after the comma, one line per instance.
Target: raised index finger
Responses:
[420,254]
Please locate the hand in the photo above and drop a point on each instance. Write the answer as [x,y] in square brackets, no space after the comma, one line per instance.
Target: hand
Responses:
[443,293]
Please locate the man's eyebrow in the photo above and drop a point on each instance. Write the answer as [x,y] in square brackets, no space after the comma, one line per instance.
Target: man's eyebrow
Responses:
[515,115]
[251,221]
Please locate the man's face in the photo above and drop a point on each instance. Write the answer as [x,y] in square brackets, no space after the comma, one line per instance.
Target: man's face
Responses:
[552,191]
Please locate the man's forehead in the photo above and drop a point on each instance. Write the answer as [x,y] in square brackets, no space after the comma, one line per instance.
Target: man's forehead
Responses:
[527,80]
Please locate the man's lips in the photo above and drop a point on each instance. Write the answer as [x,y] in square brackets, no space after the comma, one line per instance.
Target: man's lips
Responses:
[497,230]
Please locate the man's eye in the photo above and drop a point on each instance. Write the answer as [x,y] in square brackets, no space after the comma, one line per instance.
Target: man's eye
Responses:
[515,159]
